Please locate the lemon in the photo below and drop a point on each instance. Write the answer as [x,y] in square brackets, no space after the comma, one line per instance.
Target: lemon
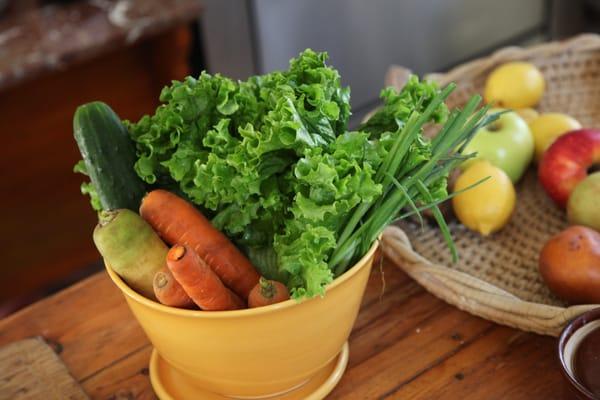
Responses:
[548,127]
[515,85]
[487,207]
[528,114]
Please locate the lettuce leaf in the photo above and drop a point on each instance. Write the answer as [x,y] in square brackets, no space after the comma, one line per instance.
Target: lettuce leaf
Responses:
[328,184]
[87,188]
[415,96]
[272,162]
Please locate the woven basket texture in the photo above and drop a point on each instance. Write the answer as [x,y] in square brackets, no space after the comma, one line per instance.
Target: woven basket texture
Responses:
[497,277]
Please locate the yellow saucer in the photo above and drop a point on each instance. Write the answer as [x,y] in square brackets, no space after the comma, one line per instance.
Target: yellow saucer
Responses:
[170,385]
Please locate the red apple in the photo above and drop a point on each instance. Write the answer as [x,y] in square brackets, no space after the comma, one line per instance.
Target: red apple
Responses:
[567,162]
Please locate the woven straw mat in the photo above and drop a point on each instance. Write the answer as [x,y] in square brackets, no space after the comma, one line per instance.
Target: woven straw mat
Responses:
[497,277]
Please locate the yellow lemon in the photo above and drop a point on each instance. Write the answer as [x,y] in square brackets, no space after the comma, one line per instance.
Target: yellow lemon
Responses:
[515,85]
[528,114]
[488,206]
[547,128]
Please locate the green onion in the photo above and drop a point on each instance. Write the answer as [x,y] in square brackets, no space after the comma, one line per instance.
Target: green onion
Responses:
[402,186]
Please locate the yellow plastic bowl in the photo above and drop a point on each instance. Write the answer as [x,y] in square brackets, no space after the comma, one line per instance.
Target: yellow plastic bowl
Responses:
[254,352]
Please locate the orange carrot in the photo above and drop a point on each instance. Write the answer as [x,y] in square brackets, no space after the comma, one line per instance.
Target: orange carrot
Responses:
[168,291]
[267,292]
[178,221]
[200,282]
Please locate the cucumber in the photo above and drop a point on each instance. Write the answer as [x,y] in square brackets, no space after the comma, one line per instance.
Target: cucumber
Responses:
[109,156]
[131,248]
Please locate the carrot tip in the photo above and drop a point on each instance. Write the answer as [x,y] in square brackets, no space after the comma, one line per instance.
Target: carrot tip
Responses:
[160,279]
[176,252]
[267,290]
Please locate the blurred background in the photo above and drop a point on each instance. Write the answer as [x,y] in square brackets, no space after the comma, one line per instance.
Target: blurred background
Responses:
[55,55]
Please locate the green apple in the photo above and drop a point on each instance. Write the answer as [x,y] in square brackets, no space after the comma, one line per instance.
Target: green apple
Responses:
[507,143]
[582,207]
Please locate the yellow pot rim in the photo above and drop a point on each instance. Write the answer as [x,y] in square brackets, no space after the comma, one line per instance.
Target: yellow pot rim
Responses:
[248,312]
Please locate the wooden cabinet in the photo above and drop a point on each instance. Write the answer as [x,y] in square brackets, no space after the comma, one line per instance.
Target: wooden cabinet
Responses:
[46,222]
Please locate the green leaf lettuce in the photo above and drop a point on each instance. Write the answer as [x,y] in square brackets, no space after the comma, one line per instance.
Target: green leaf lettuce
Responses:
[272,162]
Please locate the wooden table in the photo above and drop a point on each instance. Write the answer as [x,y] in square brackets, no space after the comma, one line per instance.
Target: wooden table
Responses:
[406,344]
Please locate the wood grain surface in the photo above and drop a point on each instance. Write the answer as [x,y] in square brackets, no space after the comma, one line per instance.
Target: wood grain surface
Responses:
[406,344]
[31,370]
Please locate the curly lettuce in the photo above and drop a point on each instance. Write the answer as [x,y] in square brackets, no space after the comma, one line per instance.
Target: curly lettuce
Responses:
[87,188]
[234,148]
[272,162]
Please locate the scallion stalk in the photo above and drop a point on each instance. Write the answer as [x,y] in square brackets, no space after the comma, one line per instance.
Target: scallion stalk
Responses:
[400,187]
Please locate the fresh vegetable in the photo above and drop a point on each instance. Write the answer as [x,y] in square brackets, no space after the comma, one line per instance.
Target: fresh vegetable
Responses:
[487,207]
[515,85]
[177,221]
[570,265]
[87,188]
[199,281]
[567,161]
[267,292]
[271,162]
[108,158]
[413,172]
[131,248]
[168,291]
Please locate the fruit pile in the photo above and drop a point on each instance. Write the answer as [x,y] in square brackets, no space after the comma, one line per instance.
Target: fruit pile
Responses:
[565,155]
